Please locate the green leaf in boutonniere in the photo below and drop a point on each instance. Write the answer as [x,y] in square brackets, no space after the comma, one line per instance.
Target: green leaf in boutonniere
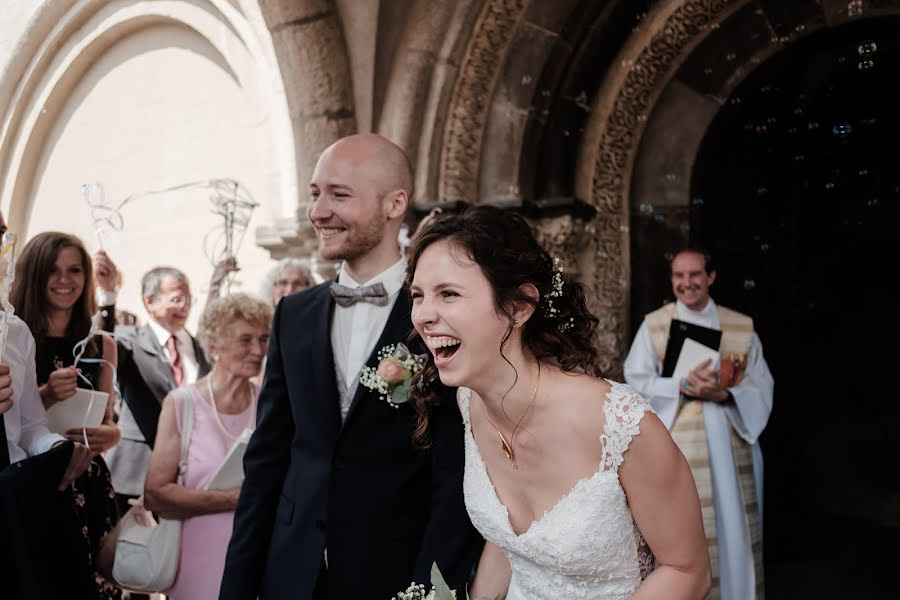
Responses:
[392,378]
[401,393]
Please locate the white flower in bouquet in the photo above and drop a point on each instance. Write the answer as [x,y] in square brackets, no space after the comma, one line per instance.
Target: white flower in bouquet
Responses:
[415,591]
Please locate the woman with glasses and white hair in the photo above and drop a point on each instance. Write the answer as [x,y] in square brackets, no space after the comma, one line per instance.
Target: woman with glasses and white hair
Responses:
[289,276]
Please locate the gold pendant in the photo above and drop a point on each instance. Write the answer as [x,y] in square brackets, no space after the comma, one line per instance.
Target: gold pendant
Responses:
[507,449]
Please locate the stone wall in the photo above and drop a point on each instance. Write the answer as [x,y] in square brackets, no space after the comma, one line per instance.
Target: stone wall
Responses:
[573,111]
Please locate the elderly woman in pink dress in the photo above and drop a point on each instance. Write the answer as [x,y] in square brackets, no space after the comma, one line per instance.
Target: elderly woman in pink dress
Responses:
[235,333]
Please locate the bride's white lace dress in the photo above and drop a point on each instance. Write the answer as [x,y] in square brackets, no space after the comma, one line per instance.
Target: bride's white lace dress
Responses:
[587,545]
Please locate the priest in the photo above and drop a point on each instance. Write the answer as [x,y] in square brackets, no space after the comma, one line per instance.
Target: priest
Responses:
[716,415]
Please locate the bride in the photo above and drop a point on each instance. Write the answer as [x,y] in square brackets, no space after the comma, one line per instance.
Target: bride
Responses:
[574,483]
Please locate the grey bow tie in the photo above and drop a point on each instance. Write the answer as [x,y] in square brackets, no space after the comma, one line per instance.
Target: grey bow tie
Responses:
[347,296]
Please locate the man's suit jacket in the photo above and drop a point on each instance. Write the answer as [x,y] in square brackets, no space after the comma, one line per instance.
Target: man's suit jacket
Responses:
[145,378]
[384,510]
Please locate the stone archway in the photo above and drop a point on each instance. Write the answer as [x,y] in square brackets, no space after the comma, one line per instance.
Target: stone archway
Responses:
[595,248]
[66,37]
[618,118]
[632,133]
[629,118]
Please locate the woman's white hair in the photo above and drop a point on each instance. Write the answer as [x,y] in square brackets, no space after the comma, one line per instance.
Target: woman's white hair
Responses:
[272,276]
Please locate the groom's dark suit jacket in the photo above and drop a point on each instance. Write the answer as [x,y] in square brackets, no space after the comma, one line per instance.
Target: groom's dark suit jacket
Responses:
[384,510]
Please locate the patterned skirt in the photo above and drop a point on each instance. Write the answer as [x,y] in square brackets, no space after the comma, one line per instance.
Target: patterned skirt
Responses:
[94,504]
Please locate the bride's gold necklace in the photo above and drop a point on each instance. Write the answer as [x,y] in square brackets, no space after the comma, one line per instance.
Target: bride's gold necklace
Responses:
[505,445]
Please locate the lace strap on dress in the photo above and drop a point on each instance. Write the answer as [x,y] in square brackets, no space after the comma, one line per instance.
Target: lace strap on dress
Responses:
[463,396]
[624,410]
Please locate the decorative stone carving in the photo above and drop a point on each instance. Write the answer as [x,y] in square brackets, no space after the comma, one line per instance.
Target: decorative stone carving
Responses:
[561,236]
[472,95]
[608,251]
[598,250]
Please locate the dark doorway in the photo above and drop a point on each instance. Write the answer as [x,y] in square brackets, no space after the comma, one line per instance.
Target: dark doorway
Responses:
[796,190]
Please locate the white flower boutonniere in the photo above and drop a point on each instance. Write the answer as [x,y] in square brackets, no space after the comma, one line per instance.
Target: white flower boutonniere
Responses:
[393,376]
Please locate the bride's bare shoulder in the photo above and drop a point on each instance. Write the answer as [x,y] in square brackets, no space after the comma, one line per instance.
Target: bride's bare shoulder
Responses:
[580,398]
[585,387]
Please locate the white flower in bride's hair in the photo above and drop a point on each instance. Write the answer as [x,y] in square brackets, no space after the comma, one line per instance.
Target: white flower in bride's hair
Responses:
[550,310]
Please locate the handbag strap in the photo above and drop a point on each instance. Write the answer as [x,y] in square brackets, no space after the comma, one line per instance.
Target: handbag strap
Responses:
[187,426]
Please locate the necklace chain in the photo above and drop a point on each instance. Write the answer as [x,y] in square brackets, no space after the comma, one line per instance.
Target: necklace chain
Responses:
[507,446]
[212,400]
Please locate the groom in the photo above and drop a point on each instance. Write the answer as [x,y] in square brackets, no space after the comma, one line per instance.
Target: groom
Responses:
[337,503]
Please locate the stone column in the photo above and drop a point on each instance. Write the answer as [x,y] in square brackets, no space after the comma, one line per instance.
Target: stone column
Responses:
[312,54]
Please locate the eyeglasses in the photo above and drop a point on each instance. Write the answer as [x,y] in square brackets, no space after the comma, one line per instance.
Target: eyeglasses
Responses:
[176,299]
[289,283]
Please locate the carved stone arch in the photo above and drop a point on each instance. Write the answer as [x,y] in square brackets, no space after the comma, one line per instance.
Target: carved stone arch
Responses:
[678,122]
[626,140]
[596,249]
[425,66]
[473,94]
[647,63]
[651,78]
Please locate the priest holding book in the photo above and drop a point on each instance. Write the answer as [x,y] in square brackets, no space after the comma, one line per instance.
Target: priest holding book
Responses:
[716,412]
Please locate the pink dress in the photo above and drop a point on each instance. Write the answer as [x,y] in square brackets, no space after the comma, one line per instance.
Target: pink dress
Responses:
[204,539]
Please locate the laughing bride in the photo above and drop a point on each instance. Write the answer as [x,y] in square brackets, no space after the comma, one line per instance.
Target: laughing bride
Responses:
[572,480]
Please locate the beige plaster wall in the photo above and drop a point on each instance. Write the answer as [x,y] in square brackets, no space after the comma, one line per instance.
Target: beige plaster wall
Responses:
[161,107]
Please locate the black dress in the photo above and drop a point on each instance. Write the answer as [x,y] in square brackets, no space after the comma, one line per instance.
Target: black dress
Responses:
[92,496]
[54,353]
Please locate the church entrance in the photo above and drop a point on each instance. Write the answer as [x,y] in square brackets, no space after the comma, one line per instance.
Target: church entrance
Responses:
[796,192]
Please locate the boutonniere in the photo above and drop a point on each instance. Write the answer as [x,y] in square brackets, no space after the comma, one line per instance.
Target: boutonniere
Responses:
[393,375]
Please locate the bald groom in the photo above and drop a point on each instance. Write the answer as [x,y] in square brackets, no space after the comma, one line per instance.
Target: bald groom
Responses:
[337,503]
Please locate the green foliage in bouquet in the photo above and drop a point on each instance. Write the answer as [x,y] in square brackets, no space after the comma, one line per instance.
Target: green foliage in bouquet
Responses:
[439,589]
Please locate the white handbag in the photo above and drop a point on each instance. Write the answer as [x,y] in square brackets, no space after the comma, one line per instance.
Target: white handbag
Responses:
[147,557]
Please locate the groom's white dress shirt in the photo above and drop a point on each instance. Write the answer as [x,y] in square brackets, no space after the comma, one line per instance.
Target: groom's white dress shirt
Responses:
[355,329]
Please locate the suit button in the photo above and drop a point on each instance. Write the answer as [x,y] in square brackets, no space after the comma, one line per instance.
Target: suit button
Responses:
[339,464]
[320,525]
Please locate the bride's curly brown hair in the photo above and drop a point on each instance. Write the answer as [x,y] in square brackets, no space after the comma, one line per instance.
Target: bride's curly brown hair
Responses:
[502,245]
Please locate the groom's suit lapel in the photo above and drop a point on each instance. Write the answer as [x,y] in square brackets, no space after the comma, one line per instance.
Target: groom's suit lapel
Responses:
[323,371]
[395,330]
